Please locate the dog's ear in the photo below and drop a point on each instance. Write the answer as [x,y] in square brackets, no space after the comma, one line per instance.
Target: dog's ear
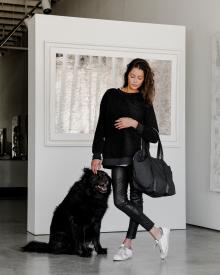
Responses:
[87,170]
[109,178]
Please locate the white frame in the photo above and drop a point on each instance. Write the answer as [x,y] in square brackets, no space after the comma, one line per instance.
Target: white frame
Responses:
[214,90]
[51,48]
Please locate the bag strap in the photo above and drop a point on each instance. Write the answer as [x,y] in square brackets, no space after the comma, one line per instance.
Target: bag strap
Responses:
[145,147]
[159,146]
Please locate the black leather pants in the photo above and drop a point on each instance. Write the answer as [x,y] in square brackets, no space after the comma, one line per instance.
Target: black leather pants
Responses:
[121,176]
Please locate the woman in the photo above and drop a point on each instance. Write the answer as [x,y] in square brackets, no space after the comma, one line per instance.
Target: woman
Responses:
[127,115]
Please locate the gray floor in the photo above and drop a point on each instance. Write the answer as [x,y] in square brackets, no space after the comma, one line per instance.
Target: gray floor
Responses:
[192,251]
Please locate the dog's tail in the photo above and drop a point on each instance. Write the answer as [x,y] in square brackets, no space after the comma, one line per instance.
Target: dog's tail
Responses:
[36,247]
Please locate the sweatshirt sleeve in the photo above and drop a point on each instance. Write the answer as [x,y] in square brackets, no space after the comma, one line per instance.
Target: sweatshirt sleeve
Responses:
[99,136]
[147,129]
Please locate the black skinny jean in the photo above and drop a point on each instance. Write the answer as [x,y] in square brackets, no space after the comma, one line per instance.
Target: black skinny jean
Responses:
[121,176]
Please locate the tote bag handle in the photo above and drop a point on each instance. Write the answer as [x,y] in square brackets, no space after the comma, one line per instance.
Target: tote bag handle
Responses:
[146,150]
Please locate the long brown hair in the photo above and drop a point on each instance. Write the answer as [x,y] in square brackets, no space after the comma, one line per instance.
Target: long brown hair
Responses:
[147,88]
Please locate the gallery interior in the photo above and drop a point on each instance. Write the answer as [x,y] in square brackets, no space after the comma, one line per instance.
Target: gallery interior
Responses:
[54,54]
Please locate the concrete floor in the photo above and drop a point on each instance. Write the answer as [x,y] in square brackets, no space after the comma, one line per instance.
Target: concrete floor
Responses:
[192,251]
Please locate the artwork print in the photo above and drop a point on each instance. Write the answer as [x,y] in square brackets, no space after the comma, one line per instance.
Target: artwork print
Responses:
[81,81]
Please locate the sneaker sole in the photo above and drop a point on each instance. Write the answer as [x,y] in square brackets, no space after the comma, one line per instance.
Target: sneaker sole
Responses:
[117,260]
[121,260]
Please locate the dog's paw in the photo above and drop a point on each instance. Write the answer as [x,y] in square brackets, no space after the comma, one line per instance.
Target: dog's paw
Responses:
[102,251]
[86,253]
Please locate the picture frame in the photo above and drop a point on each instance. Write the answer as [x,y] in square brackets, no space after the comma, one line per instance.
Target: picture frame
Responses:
[166,69]
[215,115]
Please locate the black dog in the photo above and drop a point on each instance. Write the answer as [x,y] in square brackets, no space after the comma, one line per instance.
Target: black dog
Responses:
[75,226]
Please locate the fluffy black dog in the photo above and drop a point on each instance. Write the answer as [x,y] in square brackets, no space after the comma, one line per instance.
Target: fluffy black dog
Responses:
[75,226]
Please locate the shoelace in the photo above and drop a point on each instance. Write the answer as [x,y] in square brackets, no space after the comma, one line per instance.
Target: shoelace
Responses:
[157,245]
[157,241]
[122,251]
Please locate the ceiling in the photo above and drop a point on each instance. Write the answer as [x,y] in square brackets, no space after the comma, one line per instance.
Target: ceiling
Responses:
[12,12]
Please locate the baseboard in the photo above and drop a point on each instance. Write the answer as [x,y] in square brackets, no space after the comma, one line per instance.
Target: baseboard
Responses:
[13,192]
[203,227]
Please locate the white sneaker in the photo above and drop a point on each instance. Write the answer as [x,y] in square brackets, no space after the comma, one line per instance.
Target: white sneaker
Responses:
[123,253]
[163,242]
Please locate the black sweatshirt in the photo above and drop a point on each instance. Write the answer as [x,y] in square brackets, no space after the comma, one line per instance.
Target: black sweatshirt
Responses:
[117,146]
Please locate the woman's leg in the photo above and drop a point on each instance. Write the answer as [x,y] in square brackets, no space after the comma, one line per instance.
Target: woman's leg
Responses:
[120,179]
[136,198]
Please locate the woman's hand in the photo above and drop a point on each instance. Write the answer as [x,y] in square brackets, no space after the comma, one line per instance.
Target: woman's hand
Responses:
[125,122]
[96,165]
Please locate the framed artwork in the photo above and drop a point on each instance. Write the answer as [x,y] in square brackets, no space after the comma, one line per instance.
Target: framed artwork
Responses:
[77,76]
[215,116]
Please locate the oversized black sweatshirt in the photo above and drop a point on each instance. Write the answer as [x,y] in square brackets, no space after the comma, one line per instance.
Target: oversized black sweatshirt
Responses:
[117,146]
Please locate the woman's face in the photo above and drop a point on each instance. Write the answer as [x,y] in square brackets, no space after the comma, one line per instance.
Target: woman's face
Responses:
[135,79]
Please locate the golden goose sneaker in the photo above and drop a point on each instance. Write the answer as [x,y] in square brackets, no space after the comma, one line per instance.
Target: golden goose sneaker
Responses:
[123,253]
[163,242]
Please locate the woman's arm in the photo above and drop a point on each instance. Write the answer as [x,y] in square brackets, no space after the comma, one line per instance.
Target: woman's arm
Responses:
[99,137]
[147,129]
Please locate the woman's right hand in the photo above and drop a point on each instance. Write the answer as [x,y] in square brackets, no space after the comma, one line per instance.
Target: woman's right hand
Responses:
[96,165]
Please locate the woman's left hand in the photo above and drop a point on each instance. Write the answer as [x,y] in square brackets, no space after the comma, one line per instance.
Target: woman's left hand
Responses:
[125,122]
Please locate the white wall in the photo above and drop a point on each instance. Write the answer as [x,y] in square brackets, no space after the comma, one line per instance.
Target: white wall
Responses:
[52,170]
[202,20]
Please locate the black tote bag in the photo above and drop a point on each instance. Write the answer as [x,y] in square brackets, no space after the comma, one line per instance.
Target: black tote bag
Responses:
[152,176]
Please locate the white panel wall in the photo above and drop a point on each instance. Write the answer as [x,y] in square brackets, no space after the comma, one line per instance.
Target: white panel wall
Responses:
[52,170]
[202,204]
